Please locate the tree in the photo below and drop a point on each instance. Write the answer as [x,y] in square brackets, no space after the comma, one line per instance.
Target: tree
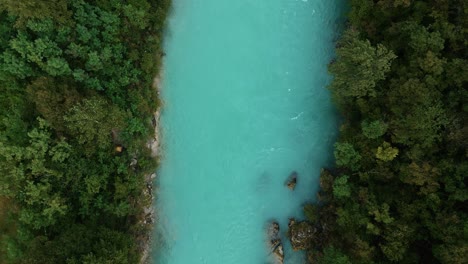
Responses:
[51,99]
[31,9]
[92,121]
[418,113]
[71,73]
[346,156]
[397,240]
[341,188]
[31,173]
[311,212]
[451,253]
[374,129]
[137,16]
[332,255]
[359,66]
[421,39]
[83,244]
[386,152]
[423,175]
[398,193]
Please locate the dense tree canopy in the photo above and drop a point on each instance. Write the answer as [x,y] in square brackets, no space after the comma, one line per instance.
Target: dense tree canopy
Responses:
[398,193]
[76,81]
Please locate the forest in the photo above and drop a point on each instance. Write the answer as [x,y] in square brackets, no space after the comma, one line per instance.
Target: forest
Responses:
[397,192]
[77,102]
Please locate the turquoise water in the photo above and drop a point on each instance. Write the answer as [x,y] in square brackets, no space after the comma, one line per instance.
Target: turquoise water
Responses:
[245,104]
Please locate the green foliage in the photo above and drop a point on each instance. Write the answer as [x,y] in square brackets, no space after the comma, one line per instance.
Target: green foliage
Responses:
[386,152]
[91,245]
[311,212]
[137,16]
[418,113]
[359,66]
[31,9]
[395,242]
[399,190]
[374,129]
[332,255]
[346,155]
[420,39]
[31,172]
[52,99]
[76,80]
[91,123]
[341,189]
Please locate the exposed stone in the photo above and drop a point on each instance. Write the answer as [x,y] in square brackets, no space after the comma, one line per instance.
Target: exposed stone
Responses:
[273,230]
[301,234]
[279,253]
[274,242]
[292,181]
[148,217]
[153,144]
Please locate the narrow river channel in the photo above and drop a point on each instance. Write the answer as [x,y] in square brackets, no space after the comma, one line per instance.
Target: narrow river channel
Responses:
[245,104]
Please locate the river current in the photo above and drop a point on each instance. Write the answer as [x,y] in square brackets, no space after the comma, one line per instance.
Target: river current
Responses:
[245,105]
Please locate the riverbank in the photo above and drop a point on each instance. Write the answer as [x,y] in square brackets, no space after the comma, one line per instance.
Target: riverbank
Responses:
[398,186]
[148,217]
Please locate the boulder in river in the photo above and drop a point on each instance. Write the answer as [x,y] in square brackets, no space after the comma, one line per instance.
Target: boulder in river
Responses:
[273,230]
[278,252]
[301,234]
[274,242]
[292,181]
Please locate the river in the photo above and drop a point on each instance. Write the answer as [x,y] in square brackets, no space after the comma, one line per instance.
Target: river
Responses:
[245,104]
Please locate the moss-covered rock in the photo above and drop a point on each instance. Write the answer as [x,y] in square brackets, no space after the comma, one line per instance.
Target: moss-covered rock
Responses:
[301,234]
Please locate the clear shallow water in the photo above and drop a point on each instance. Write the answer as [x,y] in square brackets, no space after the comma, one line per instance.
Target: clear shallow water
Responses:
[245,104]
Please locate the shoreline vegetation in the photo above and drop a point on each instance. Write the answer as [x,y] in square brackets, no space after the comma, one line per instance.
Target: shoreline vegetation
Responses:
[398,192]
[77,129]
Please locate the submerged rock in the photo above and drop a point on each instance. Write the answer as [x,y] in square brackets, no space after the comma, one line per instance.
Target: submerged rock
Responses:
[301,234]
[292,181]
[274,242]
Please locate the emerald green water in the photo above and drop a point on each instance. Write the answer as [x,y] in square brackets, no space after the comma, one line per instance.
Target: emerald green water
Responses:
[245,104]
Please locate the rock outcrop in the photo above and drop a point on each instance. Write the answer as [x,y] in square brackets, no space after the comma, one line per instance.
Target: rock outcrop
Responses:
[292,181]
[301,234]
[153,143]
[274,242]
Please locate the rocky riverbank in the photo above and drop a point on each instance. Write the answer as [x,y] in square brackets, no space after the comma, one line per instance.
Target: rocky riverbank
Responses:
[148,216]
